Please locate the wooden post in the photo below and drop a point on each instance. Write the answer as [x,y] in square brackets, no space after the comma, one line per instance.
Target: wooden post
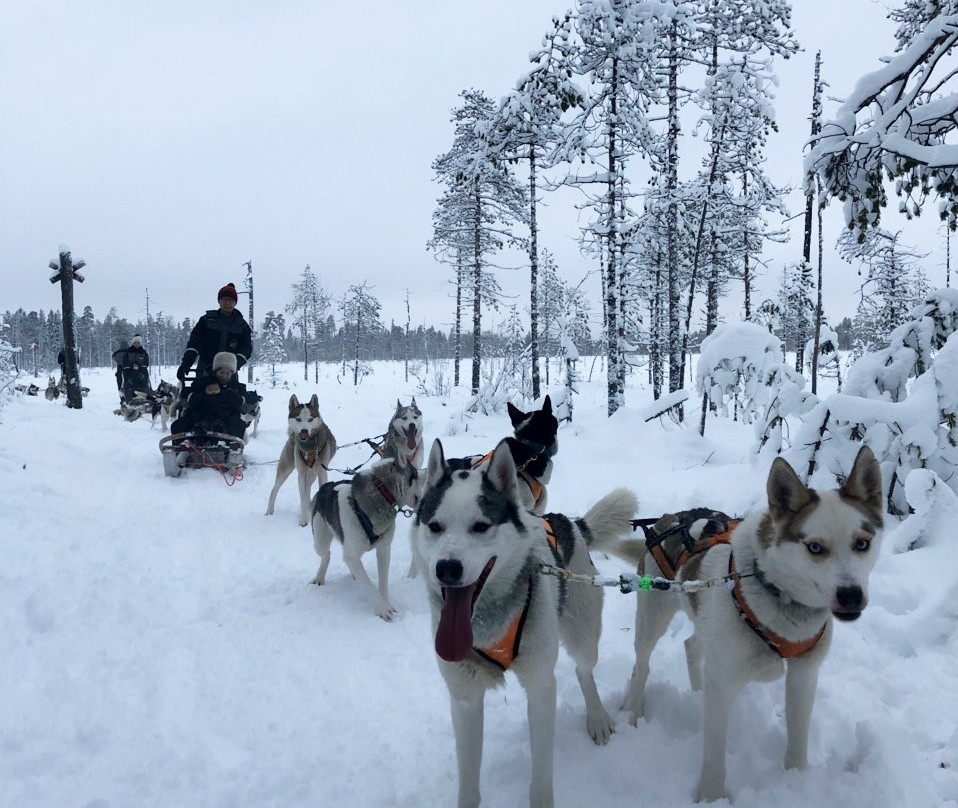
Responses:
[65,272]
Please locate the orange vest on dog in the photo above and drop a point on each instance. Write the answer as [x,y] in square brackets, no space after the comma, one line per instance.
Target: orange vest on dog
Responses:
[504,651]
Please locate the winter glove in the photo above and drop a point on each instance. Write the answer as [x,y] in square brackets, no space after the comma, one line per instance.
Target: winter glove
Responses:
[181,371]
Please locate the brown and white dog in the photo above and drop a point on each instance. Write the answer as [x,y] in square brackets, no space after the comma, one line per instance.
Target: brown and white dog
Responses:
[308,451]
[798,563]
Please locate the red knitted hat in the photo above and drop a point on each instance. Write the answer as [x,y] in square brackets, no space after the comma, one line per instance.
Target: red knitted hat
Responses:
[227,291]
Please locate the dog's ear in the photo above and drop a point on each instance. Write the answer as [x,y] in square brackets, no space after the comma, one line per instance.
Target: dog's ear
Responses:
[547,405]
[516,415]
[293,402]
[786,493]
[864,482]
[413,402]
[436,466]
[501,472]
[398,404]
[314,402]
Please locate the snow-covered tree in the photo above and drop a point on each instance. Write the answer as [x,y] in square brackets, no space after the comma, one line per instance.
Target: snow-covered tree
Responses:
[360,310]
[480,206]
[526,127]
[309,306]
[897,124]
[273,350]
[736,364]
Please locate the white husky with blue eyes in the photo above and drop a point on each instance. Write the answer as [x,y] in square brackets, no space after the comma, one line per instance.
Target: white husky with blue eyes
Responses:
[479,552]
[803,560]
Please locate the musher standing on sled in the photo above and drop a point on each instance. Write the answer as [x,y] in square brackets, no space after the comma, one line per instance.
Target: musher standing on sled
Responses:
[222,329]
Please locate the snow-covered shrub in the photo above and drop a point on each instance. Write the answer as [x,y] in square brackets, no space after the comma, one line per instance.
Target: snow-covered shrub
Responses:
[785,396]
[736,363]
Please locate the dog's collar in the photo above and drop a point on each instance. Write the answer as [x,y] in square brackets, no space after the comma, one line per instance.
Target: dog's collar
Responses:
[762,578]
[540,448]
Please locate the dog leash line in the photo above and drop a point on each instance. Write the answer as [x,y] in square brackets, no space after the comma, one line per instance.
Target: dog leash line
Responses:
[643,583]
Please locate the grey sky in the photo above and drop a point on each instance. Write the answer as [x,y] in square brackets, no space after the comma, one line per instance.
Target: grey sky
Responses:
[168,143]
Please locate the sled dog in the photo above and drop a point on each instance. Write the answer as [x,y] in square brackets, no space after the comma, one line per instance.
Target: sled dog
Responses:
[799,562]
[361,513]
[251,414]
[533,445]
[166,403]
[479,551]
[308,451]
[53,391]
[404,435]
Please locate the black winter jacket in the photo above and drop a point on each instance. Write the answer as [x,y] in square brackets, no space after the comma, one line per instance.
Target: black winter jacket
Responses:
[215,332]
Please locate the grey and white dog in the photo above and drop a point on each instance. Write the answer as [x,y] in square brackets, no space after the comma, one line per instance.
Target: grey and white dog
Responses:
[803,560]
[361,513]
[308,450]
[479,551]
[403,439]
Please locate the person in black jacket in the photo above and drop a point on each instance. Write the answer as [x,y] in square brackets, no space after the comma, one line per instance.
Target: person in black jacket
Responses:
[136,376]
[222,329]
[215,401]
[119,356]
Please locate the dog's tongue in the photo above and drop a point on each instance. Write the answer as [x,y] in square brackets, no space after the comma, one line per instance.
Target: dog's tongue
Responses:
[411,437]
[454,635]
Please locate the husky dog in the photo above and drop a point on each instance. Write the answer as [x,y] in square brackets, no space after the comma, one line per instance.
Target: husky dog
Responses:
[308,451]
[251,414]
[53,391]
[534,444]
[361,513]
[166,403]
[479,550]
[798,563]
[404,435]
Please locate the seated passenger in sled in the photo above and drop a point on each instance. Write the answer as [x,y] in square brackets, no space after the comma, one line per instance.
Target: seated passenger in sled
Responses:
[215,402]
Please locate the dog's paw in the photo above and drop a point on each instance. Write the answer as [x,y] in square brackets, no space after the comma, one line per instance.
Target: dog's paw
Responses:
[600,727]
[386,612]
[710,793]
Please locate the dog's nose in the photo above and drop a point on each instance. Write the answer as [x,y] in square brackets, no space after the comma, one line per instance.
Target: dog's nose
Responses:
[850,601]
[449,572]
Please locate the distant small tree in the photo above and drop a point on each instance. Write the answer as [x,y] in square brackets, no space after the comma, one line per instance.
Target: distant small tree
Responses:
[273,349]
[309,305]
[360,310]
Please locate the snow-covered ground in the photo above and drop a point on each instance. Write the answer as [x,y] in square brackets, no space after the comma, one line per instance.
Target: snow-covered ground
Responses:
[162,646]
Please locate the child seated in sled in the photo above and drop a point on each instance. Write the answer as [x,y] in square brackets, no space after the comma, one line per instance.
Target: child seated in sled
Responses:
[215,402]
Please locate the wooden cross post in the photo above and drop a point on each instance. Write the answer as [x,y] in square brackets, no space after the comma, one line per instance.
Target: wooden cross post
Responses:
[64,273]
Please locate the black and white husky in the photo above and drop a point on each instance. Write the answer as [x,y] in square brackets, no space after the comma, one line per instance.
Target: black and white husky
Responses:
[803,560]
[479,551]
[361,513]
[403,439]
[533,445]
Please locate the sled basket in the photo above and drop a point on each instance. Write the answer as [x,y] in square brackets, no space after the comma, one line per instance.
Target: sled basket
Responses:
[188,450]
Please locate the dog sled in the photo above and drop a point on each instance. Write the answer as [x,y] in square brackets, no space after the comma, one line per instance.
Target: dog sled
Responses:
[201,450]
[205,445]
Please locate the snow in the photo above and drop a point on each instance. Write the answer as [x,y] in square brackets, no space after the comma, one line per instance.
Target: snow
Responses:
[163,647]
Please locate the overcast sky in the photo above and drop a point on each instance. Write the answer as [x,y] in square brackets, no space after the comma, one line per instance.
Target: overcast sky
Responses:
[168,143]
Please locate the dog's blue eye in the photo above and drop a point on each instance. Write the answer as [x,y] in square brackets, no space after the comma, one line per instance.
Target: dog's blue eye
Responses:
[480,527]
[862,545]
[815,548]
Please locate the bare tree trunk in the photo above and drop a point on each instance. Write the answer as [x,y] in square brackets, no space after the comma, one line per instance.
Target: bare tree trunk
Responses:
[533,275]
[458,348]
[809,201]
[612,291]
[477,296]
[676,370]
